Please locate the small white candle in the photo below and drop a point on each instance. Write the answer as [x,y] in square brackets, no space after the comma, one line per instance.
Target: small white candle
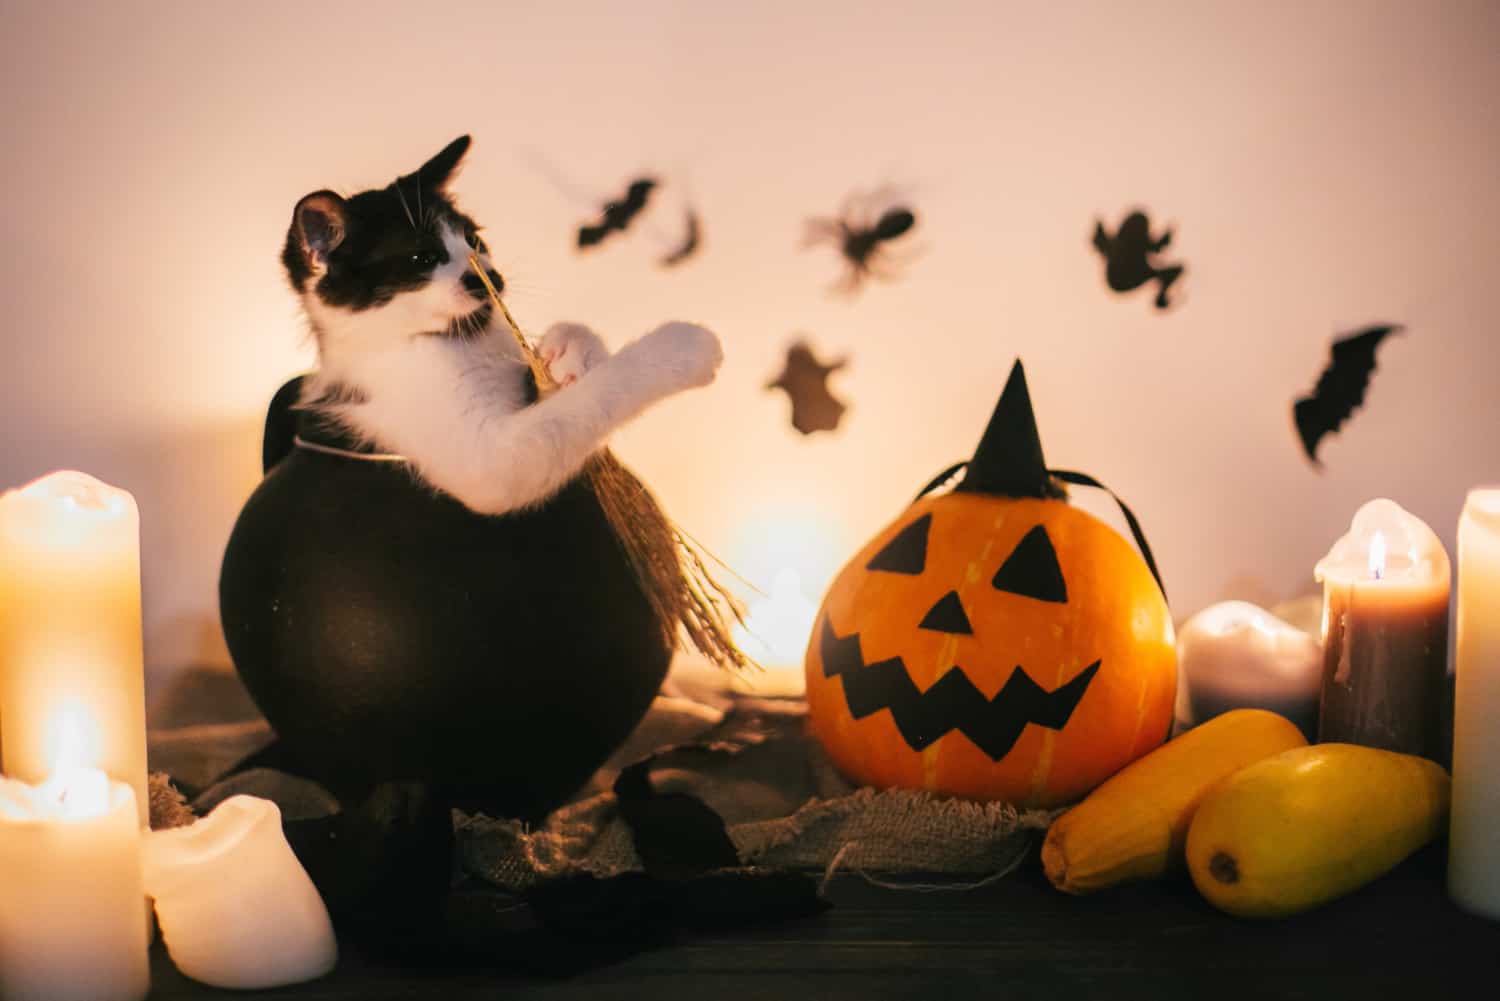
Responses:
[1474,831]
[1235,655]
[235,906]
[71,921]
[71,671]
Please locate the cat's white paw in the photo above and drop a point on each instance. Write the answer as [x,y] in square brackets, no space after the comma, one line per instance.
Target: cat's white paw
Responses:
[690,354]
[569,350]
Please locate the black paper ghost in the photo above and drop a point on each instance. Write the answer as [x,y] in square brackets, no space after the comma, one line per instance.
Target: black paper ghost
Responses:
[805,380]
[1341,387]
[1128,253]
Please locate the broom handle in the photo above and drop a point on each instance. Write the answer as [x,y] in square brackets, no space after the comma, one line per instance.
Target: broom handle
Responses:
[538,367]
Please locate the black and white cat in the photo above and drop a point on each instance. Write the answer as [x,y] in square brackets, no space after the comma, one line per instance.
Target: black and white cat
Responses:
[411,360]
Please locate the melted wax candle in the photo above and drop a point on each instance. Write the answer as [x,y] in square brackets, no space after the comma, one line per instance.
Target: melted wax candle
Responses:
[71,921]
[1235,655]
[235,906]
[1385,633]
[71,664]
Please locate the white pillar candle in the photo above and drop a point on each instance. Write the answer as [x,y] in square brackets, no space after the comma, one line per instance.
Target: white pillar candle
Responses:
[1474,832]
[71,666]
[71,921]
[1235,655]
[1385,633]
[235,906]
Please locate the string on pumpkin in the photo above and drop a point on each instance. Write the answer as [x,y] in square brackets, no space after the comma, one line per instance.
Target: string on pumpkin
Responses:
[1018,856]
[1077,479]
[683,593]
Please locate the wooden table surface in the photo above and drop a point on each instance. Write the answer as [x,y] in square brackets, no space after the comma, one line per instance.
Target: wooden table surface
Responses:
[1399,937]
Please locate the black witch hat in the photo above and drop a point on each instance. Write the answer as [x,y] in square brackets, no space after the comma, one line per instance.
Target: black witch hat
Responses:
[1009,461]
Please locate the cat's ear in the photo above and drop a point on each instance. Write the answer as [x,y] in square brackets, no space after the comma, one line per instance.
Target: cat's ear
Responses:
[438,171]
[318,222]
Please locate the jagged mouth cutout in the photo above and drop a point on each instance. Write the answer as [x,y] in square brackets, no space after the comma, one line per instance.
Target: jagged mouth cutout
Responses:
[953,702]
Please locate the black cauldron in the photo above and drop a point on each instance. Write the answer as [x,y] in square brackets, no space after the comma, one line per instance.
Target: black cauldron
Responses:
[389,633]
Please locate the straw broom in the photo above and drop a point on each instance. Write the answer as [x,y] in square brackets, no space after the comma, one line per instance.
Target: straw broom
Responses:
[683,594]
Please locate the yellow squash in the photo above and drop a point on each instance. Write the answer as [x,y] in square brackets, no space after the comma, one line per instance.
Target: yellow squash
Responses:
[1294,831]
[1134,825]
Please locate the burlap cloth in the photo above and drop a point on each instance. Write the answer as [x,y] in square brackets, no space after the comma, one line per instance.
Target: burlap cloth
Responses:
[746,756]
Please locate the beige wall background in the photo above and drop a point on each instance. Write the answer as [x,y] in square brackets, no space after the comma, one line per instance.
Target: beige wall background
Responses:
[1326,165]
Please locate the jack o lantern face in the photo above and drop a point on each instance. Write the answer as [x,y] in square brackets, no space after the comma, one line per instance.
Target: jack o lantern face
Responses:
[954,703]
[992,647]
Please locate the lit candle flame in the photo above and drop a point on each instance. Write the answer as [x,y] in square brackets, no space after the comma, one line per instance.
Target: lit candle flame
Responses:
[72,738]
[776,631]
[75,793]
[75,788]
[1377,555]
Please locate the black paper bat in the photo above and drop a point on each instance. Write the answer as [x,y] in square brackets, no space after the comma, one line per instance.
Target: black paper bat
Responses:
[805,380]
[1341,387]
[617,215]
[689,245]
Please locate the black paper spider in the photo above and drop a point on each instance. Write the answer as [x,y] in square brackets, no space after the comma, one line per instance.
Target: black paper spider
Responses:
[866,223]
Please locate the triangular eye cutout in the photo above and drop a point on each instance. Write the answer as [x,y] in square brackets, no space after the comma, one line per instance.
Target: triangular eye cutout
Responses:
[907,552]
[1032,571]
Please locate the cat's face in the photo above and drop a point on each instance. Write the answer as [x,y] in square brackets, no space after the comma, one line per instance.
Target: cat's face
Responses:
[390,262]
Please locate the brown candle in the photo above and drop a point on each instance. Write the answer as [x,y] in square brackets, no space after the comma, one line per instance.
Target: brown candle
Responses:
[1385,634]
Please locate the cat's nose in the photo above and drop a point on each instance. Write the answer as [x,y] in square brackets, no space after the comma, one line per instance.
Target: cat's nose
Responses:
[476,287]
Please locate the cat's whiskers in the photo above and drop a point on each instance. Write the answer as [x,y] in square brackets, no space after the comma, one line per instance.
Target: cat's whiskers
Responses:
[474,323]
[404,207]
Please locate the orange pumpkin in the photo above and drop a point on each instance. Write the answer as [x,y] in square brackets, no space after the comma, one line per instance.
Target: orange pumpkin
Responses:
[994,642]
